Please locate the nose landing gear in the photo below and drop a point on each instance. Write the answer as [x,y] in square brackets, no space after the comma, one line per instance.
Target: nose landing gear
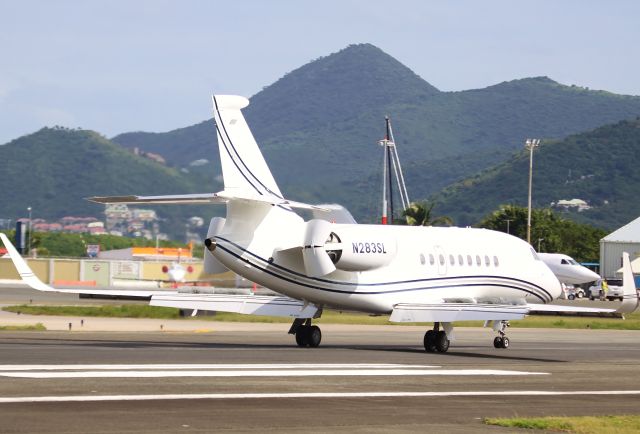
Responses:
[501,341]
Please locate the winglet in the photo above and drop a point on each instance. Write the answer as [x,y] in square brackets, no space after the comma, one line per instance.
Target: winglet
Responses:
[23,269]
[631,301]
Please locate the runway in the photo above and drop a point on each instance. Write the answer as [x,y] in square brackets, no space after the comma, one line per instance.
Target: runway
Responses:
[249,378]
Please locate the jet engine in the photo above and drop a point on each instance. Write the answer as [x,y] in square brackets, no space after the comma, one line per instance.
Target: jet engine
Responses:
[328,247]
[211,264]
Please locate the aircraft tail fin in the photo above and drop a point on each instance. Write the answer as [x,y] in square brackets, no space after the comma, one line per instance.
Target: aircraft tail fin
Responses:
[631,301]
[244,169]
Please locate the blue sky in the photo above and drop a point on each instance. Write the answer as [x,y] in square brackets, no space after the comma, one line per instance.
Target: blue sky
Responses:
[116,66]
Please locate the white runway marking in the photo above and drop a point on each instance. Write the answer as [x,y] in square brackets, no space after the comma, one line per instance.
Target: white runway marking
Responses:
[88,398]
[241,370]
[268,373]
[209,366]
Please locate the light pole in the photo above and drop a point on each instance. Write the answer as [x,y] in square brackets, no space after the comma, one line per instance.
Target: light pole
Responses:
[530,144]
[29,233]
[507,220]
[539,239]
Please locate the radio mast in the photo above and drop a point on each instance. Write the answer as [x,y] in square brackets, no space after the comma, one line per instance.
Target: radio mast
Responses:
[390,163]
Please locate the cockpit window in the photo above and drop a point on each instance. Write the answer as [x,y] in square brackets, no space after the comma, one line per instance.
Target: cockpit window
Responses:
[564,262]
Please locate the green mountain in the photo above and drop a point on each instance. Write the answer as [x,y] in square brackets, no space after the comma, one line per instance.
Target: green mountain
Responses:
[319,125]
[599,167]
[53,169]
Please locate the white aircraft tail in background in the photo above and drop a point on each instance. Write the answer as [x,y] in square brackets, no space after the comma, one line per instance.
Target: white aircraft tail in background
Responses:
[415,274]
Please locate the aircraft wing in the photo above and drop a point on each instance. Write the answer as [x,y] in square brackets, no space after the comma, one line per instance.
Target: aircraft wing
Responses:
[468,311]
[246,304]
[554,309]
[451,312]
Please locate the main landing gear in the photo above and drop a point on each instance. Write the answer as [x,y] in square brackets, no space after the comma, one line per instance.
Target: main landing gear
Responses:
[307,335]
[436,340]
[501,341]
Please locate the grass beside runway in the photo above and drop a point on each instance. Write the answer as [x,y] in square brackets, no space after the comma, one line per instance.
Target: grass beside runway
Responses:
[632,322]
[578,425]
[39,327]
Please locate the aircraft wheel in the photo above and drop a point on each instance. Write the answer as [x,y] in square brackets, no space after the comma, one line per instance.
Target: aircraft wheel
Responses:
[505,342]
[497,342]
[314,336]
[441,342]
[429,341]
[301,336]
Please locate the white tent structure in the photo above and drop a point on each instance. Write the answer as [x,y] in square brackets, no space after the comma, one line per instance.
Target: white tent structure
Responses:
[625,239]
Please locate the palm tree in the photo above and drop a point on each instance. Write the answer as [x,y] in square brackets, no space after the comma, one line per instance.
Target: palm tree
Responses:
[419,214]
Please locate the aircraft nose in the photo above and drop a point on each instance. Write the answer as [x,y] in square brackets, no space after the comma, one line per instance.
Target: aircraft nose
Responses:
[589,276]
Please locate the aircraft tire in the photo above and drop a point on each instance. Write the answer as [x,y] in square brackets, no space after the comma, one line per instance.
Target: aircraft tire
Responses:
[429,341]
[301,336]
[497,342]
[505,342]
[441,342]
[314,336]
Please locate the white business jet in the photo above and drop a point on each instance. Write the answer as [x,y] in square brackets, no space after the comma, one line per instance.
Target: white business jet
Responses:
[567,269]
[413,274]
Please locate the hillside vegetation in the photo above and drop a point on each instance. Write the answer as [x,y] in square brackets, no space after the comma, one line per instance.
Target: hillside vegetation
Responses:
[54,169]
[600,167]
[318,126]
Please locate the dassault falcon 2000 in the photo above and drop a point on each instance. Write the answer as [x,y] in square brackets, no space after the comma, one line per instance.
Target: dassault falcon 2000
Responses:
[413,274]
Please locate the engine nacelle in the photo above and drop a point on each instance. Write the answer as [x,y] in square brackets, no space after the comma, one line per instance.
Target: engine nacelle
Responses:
[328,247]
[211,264]
[362,248]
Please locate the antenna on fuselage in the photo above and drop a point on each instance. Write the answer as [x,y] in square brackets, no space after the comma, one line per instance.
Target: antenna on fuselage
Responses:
[391,161]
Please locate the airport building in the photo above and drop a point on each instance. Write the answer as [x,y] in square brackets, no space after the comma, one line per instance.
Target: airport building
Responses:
[112,273]
[625,239]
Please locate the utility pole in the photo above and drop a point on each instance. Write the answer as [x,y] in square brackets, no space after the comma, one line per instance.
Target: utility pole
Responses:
[29,236]
[529,145]
[507,220]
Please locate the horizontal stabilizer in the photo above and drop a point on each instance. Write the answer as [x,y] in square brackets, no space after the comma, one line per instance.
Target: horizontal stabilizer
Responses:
[203,198]
[169,199]
[245,304]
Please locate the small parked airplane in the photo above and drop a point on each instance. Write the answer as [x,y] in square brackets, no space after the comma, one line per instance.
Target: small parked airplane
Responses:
[415,274]
[567,269]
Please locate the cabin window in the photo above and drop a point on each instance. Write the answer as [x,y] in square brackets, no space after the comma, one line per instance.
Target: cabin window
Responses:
[432,260]
[495,261]
[452,260]
[460,260]
[441,259]
[469,260]
[422,259]
[478,260]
